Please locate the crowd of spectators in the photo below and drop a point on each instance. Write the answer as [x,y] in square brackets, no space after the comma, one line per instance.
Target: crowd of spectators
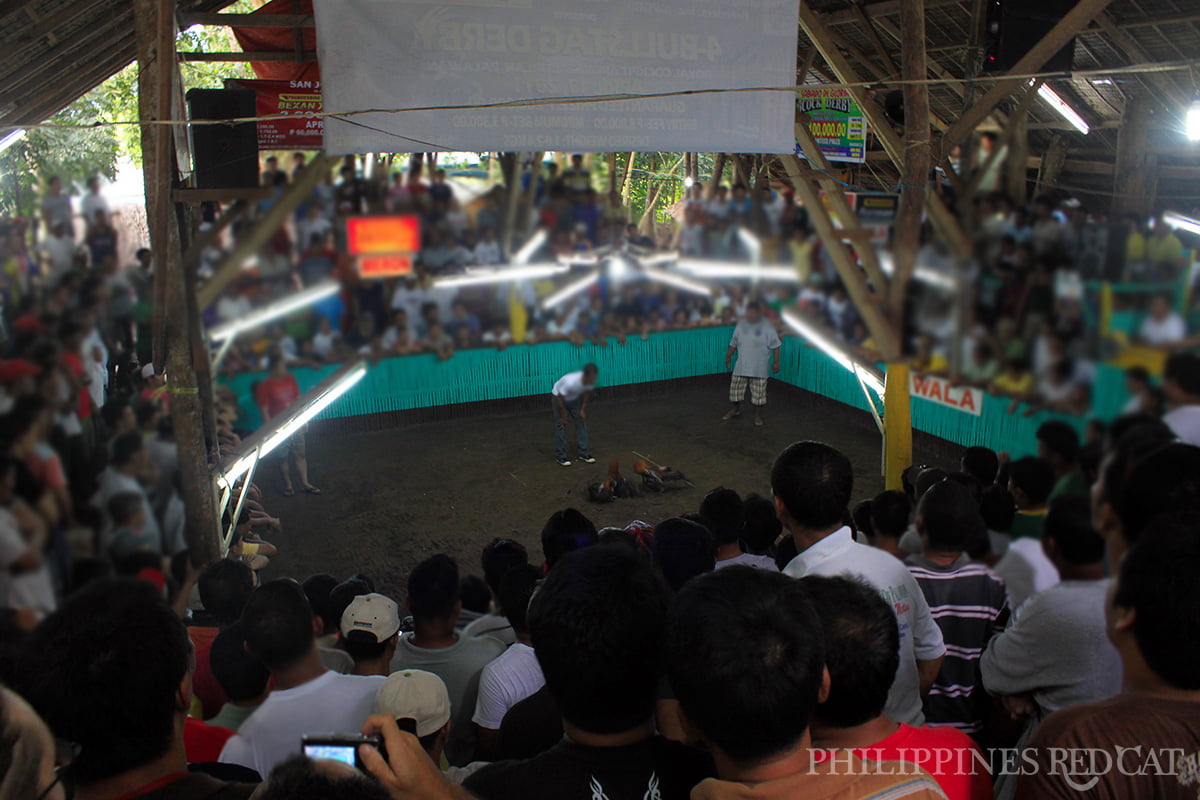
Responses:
[792,646]
[757,648]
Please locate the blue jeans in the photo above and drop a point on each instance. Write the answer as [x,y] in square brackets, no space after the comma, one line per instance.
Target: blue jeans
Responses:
[560,434]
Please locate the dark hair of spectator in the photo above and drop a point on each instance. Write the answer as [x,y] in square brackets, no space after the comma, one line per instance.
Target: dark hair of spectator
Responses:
[890,512]
[317,589]
[949,517]
[499,556]
[1068,524]
[597,624]
[1166,480]
[983,463]
[1060,439]
[762,526]
[566,531]
[342,595]
[683,549]
[1033,476]
[1183,369]
[861,514]
[104,672]
[515,592]
[124,506]
[278,624]
[751,695]
[225,586]
[997,508]
[815,482]
[1157,581]
[242,676]
[475,594]
[862,648]
[434,590]
[126,447]
[722,509]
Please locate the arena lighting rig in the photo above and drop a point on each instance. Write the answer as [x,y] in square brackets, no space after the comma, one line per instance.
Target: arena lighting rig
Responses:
[227,332]
[240,466]
[1177,220]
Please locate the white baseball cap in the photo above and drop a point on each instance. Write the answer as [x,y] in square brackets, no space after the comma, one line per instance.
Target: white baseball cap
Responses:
[373,613]
[418,695]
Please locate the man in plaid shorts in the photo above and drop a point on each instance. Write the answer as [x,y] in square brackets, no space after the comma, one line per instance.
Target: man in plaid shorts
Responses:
[757,345]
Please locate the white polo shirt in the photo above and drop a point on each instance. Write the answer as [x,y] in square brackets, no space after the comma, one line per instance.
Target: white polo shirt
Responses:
[1184,422]
[570,387]
[920,637]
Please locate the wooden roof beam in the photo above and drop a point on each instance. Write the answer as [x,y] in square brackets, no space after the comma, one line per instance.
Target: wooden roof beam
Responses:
[1071,24]
[876,10]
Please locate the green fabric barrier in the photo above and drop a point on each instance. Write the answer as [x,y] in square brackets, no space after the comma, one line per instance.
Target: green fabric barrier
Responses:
[397,384]
[407,382]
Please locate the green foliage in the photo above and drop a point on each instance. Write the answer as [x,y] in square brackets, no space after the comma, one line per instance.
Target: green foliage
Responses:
[73,152]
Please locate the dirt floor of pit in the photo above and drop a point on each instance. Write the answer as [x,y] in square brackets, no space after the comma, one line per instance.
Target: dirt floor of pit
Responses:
[393,497]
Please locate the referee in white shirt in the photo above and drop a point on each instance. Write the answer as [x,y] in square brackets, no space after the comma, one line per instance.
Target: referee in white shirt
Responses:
[569,401]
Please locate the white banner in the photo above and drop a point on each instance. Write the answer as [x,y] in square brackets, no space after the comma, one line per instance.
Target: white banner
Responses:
[457,55]
[940,391]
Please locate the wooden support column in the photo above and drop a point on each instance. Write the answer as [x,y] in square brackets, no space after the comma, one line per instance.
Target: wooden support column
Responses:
[914,173]
[515,169]
[1133,178]
[1052,163]
[527,196]
[1017,166]
[1072,23]
[864,299]
[155,21]
[718,169]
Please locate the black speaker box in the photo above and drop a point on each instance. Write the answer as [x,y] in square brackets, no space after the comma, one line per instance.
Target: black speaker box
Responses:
[1015,26]
[226,156]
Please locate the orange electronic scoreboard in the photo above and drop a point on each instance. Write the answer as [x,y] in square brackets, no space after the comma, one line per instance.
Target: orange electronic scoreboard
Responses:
[383,246]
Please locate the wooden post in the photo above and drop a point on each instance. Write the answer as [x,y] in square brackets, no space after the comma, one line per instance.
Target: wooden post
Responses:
[1052,163]
[718,170]
[897,424]
[527,196]
[155,21]
[516,167]
[914,175]
[1017,166]
[1132,178]
[627,184]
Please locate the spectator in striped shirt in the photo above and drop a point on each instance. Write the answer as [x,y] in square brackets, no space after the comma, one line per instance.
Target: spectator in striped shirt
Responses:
[967,599]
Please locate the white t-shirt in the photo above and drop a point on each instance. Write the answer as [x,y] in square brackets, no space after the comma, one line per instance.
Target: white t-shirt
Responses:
[332,703]
[113,483]
[750,560]
[505,682]
[1026,570]
[306,228]
[231,308]
[920,637]
[92,203]
[570,387]
[30,589]
[487,252]
[1169,330]
[754,342]
[493,625]
[1184,422]
[323,343]
[60,254]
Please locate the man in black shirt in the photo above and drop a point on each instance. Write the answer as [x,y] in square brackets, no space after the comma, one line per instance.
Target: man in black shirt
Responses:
[597,624]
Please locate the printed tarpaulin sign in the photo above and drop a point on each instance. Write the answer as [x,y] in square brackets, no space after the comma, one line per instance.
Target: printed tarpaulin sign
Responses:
[298,100]
[461,62]
[836,122]
[967,399]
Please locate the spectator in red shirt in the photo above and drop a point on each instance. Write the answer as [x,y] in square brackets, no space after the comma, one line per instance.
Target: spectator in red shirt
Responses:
[861,649]
[274,395]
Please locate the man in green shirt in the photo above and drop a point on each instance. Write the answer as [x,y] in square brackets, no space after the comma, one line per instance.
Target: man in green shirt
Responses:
[1030,482]
[1058,446]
